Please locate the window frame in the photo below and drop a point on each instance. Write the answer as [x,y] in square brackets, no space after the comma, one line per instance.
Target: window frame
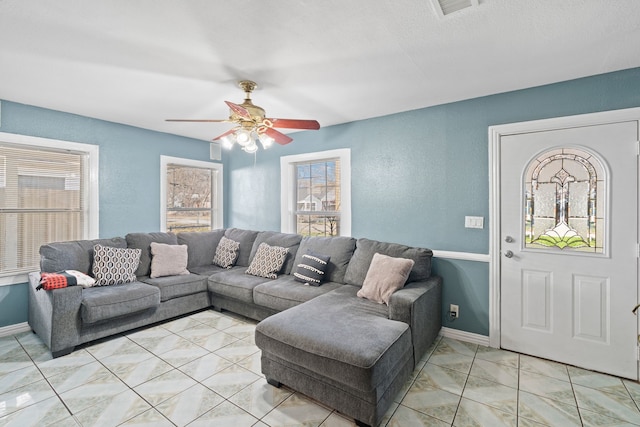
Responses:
[288,177]
[91,189]
[217,205]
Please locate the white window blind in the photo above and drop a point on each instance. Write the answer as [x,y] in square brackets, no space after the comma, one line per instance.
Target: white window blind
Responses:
[43,198]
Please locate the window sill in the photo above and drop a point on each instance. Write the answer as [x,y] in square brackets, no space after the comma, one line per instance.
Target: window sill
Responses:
[14,279]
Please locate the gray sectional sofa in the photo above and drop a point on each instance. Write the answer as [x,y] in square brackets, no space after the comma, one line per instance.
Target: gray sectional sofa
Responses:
[325,341]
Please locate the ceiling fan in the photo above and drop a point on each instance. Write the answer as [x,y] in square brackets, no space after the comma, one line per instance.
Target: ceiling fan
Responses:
[252,125]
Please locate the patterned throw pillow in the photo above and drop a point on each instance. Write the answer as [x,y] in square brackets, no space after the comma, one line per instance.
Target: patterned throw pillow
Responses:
[311,269]
[267,261]
[226,253]
[114,265]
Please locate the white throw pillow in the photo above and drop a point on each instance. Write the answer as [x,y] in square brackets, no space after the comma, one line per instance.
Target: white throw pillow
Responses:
[82,279]
[385,276]
[168,260]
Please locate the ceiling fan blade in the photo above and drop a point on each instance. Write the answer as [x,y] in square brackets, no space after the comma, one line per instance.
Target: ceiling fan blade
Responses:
[229,132]
[295,124]
[239,110]
[198,120]
[278,137]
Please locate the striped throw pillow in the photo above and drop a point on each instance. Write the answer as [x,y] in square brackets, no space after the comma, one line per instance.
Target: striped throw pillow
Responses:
[312,268]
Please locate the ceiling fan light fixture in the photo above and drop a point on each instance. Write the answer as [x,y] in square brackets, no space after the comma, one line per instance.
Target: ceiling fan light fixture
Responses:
[243,137]
[227,141]
[266,140]
[251,148]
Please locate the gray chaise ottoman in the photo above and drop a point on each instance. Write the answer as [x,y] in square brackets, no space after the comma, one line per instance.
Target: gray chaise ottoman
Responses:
[341,350]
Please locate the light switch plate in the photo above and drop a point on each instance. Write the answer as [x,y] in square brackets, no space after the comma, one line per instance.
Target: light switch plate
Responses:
[474,222]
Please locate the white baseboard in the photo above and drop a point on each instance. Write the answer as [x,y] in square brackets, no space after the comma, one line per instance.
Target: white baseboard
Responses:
[18,328]
[464,336]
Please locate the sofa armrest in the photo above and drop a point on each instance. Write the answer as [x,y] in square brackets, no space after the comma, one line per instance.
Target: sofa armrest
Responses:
[55,315]
[419,304]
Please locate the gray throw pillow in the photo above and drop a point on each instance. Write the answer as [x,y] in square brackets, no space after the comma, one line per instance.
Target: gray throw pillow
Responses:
[114,265]
[268,261]
[312,268]
[385,276]
[168,260]
[226,253]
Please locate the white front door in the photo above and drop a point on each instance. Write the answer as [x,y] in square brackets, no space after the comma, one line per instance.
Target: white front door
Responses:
[569,245]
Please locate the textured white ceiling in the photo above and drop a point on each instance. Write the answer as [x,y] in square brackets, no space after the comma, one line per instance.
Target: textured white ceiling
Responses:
[139,62]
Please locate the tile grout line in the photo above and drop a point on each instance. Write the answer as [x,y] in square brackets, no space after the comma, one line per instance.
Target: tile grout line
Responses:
[45,378]
[575,396]
[518,393]
[466,381]
[177,368]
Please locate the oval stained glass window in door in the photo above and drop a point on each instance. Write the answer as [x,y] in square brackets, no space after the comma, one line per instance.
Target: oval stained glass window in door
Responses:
[564,194]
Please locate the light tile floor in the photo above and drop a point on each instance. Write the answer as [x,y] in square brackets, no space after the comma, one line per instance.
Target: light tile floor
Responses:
[204,370]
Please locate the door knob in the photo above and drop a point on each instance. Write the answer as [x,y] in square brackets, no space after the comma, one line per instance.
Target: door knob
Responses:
[508,254]
[508,239]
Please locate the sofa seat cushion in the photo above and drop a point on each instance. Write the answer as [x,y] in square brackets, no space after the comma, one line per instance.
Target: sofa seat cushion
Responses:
[286,292]
[339,337]
[177,286]
[207,270]
[235,284]
[107,302]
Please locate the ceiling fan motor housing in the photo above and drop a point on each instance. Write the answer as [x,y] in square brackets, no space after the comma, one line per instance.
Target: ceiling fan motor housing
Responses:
[257,113]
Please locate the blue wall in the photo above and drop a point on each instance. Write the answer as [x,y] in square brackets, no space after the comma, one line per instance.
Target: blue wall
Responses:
[415,175]
[129,174]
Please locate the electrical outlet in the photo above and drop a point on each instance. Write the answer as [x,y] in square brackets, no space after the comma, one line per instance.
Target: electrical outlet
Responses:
[454,311]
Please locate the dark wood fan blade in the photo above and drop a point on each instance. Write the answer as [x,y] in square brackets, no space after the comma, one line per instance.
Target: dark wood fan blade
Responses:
[295,124]
[199,120]
[229,132]
[278,137]
[239,110]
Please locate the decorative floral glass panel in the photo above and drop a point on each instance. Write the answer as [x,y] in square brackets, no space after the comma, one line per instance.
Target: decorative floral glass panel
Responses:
[563,201]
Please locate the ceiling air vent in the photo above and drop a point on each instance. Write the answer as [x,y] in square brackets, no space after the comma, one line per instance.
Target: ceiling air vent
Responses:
[446,7]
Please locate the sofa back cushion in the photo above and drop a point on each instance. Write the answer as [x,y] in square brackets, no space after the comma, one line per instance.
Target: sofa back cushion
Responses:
[365,249]
[201,246]
[143,241]
[74,255]
[283,240]
[246,239]
[338,248]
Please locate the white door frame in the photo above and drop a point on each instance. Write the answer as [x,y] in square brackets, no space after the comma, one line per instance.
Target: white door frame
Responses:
[495,134]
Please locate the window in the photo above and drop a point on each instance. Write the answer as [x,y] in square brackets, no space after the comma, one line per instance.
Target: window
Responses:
[48,192]
[316,193]
[564,193]
[191,195]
